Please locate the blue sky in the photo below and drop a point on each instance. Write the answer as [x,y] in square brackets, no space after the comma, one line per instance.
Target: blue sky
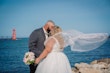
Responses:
[88,16]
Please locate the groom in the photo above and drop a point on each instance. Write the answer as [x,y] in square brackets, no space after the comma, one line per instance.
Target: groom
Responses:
[36,41]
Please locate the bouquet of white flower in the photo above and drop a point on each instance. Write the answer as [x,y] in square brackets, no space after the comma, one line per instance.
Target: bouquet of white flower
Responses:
[29,58]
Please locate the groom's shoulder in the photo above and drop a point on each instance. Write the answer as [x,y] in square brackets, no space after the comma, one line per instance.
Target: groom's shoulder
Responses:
[37,30]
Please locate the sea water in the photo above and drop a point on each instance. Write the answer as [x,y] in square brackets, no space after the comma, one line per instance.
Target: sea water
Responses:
[12,53]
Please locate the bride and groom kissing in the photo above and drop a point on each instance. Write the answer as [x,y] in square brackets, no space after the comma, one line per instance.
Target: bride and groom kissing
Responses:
[48,53]
[47,44]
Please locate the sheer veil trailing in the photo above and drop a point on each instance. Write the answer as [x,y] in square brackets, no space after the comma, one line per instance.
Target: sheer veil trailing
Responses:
[81,42]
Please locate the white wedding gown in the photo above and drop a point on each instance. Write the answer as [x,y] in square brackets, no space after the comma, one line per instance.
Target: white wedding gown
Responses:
[55,62]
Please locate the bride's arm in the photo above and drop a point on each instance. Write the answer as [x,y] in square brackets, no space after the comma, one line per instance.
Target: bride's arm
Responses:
[48,48]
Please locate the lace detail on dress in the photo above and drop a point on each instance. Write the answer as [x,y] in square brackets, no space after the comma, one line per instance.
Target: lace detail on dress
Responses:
[56,47]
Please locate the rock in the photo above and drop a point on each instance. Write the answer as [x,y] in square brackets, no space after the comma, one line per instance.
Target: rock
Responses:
[108,70]
[94,62]
[100,65]
[82,65]
[89,70]
[107,60]
[96,66]
[75,70]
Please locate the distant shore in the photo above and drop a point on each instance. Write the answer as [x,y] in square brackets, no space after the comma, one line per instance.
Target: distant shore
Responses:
[9,37]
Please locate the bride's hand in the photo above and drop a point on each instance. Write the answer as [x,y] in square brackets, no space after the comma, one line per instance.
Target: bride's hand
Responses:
[37,60]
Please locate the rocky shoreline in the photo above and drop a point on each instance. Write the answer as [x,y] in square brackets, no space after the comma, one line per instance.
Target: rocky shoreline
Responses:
[96,66]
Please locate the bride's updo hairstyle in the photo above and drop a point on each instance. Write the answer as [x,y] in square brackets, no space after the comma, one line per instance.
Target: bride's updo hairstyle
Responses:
[56,32]
[56,29]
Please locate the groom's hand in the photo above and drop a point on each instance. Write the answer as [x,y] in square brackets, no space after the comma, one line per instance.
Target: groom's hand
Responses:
[37,60]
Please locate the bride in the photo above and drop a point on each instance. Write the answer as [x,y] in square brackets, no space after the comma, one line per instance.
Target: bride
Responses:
[53,60]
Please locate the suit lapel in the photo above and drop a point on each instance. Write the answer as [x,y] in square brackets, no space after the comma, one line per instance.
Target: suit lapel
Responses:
[43,33]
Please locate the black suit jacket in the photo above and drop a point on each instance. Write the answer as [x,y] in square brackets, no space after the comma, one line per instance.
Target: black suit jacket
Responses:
[36,41]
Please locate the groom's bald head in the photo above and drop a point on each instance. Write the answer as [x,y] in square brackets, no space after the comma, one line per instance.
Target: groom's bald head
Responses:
[49,25]
[50,22]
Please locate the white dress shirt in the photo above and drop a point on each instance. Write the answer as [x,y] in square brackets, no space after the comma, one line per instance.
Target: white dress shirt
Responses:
[46,34]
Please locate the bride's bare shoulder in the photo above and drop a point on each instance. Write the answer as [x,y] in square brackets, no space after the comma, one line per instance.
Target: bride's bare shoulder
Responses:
[50,41]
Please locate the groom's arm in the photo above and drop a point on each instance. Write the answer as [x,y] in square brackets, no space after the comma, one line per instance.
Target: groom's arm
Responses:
[33,40]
